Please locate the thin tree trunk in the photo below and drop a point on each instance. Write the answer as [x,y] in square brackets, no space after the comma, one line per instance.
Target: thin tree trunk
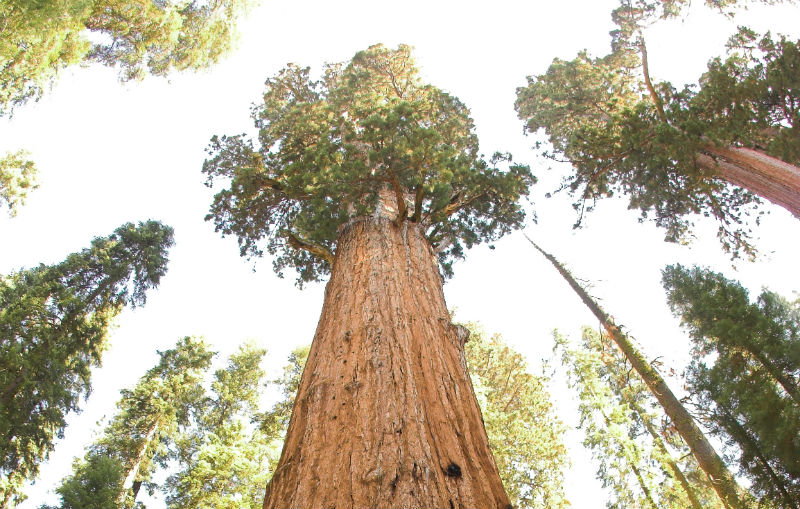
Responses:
[660,445]
[646,490]
[764,175]
[130,483]
[676,471]
[385,415]
[740,434]
[627,454]
[708,459]
[786,382]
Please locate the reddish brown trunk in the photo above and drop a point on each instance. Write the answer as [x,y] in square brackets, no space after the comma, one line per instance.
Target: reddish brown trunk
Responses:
[385,415]
[766,176]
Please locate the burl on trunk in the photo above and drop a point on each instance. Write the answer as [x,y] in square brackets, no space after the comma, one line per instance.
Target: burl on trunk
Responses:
[385,414]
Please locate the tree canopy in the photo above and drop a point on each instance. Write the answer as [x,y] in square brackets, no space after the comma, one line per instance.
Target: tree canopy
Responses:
[224,460]
[168,422]
[326,149]
[41,37]
[54,323]
[17,178]
[677,153]
[526,437]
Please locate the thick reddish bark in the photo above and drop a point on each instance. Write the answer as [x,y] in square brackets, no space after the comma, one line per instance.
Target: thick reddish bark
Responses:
[385,415]
[766,176]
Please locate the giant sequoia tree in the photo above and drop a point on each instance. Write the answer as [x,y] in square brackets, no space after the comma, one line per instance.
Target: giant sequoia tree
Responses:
[524,434]
[372,176]
[54,323]
[677,153]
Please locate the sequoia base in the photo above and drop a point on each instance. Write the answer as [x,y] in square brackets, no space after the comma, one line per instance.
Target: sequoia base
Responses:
[385,414]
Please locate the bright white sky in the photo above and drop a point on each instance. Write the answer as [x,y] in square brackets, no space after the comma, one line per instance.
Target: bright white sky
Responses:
[109,154]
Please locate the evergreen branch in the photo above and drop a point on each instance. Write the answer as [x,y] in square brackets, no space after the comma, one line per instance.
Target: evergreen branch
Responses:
[455,205]
[418,203]
[306,245]
[402,209]
[649,84]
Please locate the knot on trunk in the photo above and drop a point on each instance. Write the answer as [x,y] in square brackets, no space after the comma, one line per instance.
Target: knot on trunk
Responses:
[462,333]
[373,476]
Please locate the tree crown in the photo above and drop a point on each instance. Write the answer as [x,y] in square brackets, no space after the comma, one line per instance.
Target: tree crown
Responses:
[624,133]
[328,148]
[40,37]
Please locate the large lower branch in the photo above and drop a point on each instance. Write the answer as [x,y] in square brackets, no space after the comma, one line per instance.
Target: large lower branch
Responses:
[315,249]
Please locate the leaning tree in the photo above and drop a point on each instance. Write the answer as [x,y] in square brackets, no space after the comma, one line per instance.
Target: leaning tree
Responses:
[373,177]
[714,149]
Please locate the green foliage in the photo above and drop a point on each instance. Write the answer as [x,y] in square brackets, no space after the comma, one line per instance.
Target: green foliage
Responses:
[623,133]
[17,178]
[96,483]
[641,457]
[751,98]
[275,422]
[138,438]
[745,375]
[525,436]
[54,323]
[327,148]
[225,463]
[41,37]
[169,420]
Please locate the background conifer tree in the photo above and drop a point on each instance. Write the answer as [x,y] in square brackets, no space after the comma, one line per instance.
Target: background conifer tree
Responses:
[41,37]
[224,459]
[707,457]
[610,389]
[744,375]
[54,324]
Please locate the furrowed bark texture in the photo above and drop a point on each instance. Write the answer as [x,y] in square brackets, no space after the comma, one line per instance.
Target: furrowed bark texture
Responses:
[766,176]
[385,415]
[721,478]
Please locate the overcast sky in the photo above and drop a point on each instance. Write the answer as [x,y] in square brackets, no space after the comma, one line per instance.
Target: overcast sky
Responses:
[111,153]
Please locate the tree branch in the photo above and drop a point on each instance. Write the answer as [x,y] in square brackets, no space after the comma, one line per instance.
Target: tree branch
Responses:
[454,207]
[646,71]
[402,210]
[306,245]
[418,203]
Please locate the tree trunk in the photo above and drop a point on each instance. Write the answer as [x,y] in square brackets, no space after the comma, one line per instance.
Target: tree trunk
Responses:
[385,415]
[708,459]
[764,175]
[741,435]
[778,375]
[129,485]
[659,443]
